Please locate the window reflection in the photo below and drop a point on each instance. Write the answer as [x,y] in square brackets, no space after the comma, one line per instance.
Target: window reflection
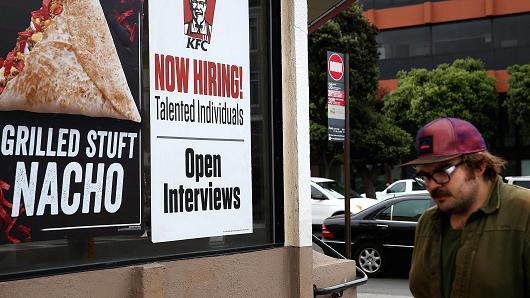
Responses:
[46,255]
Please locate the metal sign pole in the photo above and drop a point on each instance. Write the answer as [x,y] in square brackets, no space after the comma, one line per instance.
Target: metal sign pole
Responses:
[339,123]
[347,213]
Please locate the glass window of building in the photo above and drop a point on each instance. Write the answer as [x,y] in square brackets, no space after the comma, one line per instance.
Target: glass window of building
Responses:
[253,33]
[511,31]
[381,4]
[401,43]
[462,37]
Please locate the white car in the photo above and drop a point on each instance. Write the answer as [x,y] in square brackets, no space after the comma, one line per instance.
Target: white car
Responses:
[327,199]
[523,181]
[400,187]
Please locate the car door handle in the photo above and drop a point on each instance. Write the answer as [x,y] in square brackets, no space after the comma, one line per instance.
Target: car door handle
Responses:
[382,226]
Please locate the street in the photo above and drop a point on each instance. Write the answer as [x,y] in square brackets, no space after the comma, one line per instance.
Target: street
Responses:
[385,288]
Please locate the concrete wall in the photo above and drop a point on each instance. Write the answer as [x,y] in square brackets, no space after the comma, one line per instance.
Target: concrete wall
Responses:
[267,273]
[295,109]
[295,105]
[329,272]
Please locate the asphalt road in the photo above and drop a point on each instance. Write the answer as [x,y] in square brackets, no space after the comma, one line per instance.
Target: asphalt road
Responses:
[385,288]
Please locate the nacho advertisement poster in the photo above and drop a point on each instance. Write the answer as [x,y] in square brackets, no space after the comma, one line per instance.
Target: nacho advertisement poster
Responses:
[199,100]
[70,118]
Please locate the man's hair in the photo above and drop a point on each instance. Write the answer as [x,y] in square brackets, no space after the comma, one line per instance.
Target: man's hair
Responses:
[494,164]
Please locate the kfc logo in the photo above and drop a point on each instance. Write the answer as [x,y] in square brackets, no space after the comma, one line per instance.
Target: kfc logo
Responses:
[198,22]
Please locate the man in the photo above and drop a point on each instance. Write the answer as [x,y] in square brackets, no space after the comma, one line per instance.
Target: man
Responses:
[476,241]
[198,27]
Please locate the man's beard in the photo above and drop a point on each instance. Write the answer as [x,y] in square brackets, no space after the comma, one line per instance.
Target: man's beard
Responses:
[464,202]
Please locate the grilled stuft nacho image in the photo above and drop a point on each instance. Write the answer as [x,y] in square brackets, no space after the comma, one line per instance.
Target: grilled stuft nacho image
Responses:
[65,61]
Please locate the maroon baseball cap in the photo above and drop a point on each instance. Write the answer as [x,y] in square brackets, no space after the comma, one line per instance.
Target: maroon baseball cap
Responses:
[446,138]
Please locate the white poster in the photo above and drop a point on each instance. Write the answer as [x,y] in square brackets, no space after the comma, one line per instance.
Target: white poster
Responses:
[200,119]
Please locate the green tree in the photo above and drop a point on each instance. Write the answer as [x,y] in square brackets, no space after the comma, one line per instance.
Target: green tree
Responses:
[375,142]
[461,89]
[518,97]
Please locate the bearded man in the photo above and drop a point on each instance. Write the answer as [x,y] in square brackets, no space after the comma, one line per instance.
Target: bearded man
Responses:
[476,241]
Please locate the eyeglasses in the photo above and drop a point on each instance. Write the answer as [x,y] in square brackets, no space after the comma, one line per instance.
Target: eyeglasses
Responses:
[439,176]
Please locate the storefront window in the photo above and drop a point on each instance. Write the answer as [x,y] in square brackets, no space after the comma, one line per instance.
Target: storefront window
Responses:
[75,252]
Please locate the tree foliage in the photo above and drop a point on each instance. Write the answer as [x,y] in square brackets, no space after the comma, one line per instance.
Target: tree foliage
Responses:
[374,140]
[461,89]
[518,97]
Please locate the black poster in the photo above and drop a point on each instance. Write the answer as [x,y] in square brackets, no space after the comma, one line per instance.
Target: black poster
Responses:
[70,119]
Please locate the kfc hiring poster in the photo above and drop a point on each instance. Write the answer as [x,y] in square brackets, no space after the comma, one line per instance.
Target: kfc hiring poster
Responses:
[70,117]
[200,119]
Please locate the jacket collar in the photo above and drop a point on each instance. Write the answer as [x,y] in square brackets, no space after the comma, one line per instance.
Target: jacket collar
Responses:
[491,205]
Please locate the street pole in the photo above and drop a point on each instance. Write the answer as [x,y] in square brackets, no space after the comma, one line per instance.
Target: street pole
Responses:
[347,223]
[339,123]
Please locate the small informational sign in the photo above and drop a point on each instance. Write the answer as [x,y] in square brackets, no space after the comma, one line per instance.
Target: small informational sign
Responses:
[200,119]
[336,97]
[70,119]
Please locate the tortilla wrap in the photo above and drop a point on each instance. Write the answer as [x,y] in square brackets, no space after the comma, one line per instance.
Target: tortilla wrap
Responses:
[75,69]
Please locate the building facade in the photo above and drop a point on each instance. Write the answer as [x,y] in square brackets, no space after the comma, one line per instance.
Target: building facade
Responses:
[424,34]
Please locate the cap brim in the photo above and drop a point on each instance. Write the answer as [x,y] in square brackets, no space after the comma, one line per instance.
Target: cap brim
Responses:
[423,160]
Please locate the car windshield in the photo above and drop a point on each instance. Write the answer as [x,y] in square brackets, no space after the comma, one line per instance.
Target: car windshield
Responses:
[337,189]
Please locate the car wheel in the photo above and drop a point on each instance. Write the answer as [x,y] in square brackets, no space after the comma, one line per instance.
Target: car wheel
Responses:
[370,258]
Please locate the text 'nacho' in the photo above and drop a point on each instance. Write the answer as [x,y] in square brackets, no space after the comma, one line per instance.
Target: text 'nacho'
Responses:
[66,62]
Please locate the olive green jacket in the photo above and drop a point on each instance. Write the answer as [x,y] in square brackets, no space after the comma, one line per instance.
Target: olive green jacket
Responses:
[494,257]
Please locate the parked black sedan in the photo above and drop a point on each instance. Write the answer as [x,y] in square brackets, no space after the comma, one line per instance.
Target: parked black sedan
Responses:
[380,233]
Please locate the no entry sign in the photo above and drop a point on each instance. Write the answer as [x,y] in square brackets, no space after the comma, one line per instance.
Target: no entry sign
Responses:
[336,67]
[336,97]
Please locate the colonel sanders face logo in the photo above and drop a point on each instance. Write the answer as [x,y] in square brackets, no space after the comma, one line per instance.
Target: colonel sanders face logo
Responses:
[198,9]
[198,19]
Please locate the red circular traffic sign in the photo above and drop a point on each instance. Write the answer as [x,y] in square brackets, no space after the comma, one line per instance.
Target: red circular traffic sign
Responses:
[335,67]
